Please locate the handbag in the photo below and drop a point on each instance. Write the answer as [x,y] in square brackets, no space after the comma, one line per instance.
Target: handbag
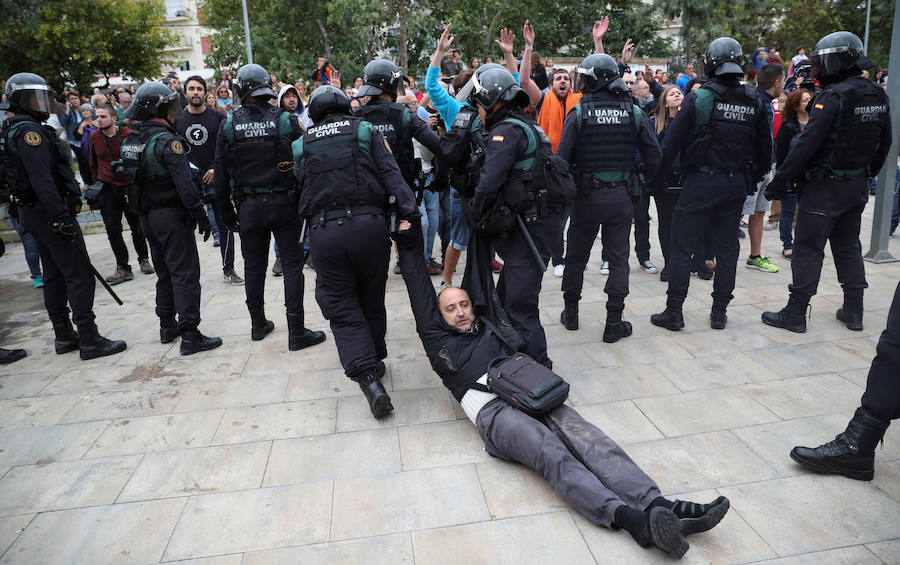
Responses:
[526,384]
[94,195]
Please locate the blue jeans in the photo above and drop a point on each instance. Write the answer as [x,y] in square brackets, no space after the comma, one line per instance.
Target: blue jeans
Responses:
[459,227]
[444,223]
[786,220]
[32,257]
[430,210]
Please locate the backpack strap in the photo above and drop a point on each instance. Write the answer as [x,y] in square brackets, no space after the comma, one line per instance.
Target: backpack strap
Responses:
[638,116]
[228,130]
[578,116]
[364,136]
[297,151]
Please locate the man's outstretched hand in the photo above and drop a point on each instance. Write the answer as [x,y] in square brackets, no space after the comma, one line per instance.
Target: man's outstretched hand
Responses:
[599,30]
[528,33]
[507,38]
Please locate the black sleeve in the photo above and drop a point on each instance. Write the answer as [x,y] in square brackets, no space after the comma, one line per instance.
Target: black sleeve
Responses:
[677,136]
[569,137]
[422,299]
[221,180]
[506,142]
[390,178]
[884,144]
[176,161]
[762,155]
[825,109]
[455,145]
[37,158]
[655,88]
[786,133]
[648,146]
[426,136]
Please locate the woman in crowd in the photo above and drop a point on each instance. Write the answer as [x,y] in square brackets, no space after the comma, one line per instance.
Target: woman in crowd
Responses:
[87,125]
[223,98]
[793,119]
[539,72]
[212,102]
[474,63]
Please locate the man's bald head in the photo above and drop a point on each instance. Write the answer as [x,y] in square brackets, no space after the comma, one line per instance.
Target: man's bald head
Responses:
[456,308]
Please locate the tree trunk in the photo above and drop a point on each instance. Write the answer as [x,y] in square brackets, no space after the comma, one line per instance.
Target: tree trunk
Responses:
[401,39]
[324,37]
[489,40]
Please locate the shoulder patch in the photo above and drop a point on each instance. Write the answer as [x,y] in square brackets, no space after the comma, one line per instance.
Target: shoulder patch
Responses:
[498,138]
[819,106]
[177,148]
[33,138]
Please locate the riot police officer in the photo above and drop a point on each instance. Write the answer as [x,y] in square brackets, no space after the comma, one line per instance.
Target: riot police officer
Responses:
[509,177]
[166,195]
[346,173]
[845,142]
[600,140]
[42,183]
[723,137]
[253,154]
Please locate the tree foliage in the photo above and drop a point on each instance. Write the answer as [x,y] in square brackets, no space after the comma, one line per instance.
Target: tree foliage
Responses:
[71,41]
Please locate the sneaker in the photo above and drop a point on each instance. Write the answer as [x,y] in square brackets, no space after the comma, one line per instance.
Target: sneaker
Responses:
[761,263]
[37,282]
[233,278]
[771,226]
[216,243]
[121,275]
[276,268]
[558,271]
[741,234]
[604,268]
[146,267]
[444,284]
[743,222]
[397,268]
[436,265]
[649,267]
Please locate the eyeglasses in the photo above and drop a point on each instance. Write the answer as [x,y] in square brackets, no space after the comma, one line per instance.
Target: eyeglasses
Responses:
[629,82]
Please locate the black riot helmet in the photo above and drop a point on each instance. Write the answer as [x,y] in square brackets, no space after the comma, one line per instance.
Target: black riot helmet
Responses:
[838,53]
[252,80]
[380,76]
[496,84]
[600,72]
[153,100]
[327,100]
[465,93]
[724,56]
[29,93]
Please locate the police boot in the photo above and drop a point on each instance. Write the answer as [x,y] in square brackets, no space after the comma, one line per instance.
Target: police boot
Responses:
[192,341]
[66,336]
[852,311]
[300,337]
[615,328]
[671,318]
[792,317]
[93,345]
[259,325]
[569,316]
[168,328]
[378,398]
[717,316]
[851,453]
[8,356]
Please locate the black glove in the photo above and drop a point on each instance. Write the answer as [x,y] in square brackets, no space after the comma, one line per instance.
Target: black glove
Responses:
[775,191]
[64,227]
[230,217]
[204,228]
[407,239]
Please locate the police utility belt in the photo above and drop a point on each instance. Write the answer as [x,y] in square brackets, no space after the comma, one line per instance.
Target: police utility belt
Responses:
[340,214]
[825,172]
[245,191]
[593,183]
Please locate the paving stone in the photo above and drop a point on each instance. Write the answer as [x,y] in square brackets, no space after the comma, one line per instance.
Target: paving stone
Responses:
[70,484]
[47,444]
[322,356]
[856,554]
[411,500]
[887,551]
[718,371]
[622,421]
[415,374]
[440,444]
[107,405]
[703,411]
[887,476]
[837,512]
[11,527]
[548,538]
[233,559]
[717,342]
[806,396]
[608,384]
[20,384]
[97,379]
[324,383]
[227,393]
[410,407]
[197,471]
[157,433]
[133,533]
[277,421]
[352,454]
[252,520]
[385,550]
[639,350]
[812,359]
[511,489]
[35,410]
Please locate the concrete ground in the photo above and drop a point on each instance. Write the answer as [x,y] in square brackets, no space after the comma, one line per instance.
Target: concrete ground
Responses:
[252,454]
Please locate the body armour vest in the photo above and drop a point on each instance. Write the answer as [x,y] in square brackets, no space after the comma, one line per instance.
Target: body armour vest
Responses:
[607,134]
[337,168]
[16,175]
[854,136]
[258,147]
[150,185]
[393,121]
[725,127]
[468,125]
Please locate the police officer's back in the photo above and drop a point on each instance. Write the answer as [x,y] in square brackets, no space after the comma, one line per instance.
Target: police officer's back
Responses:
[722,136]
[845,143]
[600,139]
[39,174]
[346,173]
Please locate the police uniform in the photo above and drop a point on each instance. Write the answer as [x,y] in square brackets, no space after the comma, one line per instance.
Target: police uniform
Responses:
[600,139]
[463,145]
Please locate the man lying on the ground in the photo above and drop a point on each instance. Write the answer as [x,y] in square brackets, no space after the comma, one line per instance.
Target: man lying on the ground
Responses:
[584,466]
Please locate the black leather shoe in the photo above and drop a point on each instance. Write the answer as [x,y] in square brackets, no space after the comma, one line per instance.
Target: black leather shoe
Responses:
[569,316]
[672,320]
[167,335]
[260,327]
[664,274]
[380,369]
[851,453]
[792,317]
[615,331]
[8,356]
[300,337]
[378,398]
[94,346]
[66,337]
[718,319]
[853,320]
[694,523]
[665,532]
[192,341]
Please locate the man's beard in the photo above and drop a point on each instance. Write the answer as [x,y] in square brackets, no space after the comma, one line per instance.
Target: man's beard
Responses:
[196,101]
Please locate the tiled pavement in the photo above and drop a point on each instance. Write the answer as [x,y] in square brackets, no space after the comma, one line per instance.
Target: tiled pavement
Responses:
[252,454]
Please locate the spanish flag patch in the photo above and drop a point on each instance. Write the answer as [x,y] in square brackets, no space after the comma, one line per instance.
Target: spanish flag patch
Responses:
[497,138]
[819,106]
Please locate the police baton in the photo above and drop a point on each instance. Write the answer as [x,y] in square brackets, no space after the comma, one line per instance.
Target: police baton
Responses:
[99,277]
[392,208]
[537,256]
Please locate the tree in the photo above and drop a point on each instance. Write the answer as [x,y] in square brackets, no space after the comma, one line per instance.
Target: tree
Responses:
[70,42]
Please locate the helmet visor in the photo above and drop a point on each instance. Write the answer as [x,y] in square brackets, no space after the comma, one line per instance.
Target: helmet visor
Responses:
[36,98]
[480,94]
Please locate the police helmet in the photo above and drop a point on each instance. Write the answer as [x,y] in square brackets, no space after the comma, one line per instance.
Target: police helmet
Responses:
[326,100]
[803,68]
[252,80]
[837,52]
[153,100]
[380,76]
[29,93]
[465,93]
[600,72]
[496,84]
[724,56]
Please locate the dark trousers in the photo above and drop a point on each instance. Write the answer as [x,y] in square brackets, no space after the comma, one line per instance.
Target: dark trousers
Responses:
[714,201]
[261,217]
[642,227]
[786,220]
[226,238]
[581,463]
[351,257]
[84,164]
[68,280]
[114,205]
[559,252]
[170,232]
[882,396]
[612,209]
[665,209]
[829,210]
[520,282]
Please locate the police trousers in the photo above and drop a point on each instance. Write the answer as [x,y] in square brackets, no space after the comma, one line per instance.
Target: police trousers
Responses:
[612,209]
[351,256]
[581,463]
[68,280]
[520,281]
[714,201]
[882,396]
[170,233]
[262,216]
[829,210]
